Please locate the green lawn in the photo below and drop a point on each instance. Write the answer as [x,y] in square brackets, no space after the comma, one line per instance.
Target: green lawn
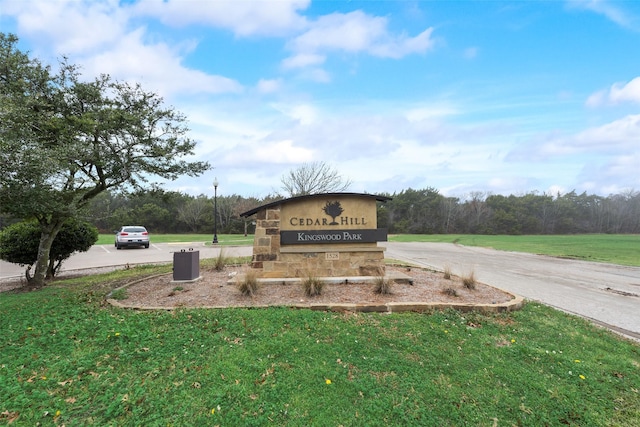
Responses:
[621,249]
[67,358]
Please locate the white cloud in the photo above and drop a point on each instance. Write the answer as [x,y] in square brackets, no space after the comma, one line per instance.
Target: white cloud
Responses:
[618,175]
[97,35]
[71,27]
[619,136]
[627,92]
[304,114]
[612,11]
[554,190]
[242,17]
[268,85]
[157,66]
[303,60]
[597,99]
[618,93]
[267,152]
[401,46]
[354,32]
[506,184]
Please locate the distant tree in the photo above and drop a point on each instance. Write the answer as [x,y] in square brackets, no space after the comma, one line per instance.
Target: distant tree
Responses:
[102,209]
[63,141]
[450,208]
[243,204]
[476,212]
[193,211]
[19,243]
[313,178]
[416,211]
[226,215]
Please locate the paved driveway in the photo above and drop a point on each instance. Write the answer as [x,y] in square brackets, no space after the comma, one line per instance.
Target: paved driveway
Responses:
[606,293]
[108,255]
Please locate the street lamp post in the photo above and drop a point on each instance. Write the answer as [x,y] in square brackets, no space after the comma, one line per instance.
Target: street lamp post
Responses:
[215,210]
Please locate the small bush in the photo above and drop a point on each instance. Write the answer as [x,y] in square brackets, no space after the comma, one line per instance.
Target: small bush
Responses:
[382,285]
[19,243]
[447,272]
[469,281]
[248,284]
[312,286]
[450,291]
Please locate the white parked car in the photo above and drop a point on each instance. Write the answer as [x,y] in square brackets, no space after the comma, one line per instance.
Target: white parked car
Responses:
[132,235]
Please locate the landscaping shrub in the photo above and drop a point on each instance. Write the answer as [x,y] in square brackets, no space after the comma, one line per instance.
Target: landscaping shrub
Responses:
[382,285]
[248,284]
[220,262]
[312,286]
[469,281]
[19,243]
[447,272]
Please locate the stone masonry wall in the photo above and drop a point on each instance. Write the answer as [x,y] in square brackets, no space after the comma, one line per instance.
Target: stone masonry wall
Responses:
[272,261]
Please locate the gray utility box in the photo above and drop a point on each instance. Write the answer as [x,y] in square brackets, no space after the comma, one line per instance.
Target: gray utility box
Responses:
[186,265]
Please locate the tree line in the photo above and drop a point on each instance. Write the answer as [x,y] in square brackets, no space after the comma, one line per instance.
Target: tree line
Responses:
[428,212]
[410,211]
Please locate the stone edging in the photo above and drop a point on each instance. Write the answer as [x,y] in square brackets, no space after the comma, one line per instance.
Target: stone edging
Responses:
[392,307]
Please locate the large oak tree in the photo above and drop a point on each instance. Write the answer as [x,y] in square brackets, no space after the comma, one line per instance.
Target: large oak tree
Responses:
[64,140]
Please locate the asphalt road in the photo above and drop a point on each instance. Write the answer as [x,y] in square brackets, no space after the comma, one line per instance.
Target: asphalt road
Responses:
[605,293]
[608,294]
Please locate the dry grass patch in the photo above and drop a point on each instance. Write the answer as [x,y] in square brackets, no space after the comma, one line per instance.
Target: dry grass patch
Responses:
[382,286]
[447,272]
[469,281]
[312,286]
[247,284]
[221,261]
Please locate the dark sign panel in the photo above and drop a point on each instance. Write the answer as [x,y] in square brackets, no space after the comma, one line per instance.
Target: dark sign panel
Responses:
[333,236]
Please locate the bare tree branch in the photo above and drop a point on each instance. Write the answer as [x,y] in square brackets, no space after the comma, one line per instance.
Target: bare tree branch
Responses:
[313,178]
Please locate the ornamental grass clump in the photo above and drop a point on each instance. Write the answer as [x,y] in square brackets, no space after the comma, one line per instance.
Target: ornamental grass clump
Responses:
[220,262]
[382,285]
[447,272]
[248,284]
[469,281]
[312,286]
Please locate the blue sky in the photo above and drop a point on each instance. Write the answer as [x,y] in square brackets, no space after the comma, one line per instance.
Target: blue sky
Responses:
[501,97]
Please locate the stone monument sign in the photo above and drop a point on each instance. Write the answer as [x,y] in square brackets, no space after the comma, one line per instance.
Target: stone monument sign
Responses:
[320,235]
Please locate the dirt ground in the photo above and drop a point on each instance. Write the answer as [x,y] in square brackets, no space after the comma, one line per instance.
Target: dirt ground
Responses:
[220,289]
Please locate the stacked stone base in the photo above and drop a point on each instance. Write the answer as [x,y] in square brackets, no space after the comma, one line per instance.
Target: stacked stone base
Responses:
[321,262]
